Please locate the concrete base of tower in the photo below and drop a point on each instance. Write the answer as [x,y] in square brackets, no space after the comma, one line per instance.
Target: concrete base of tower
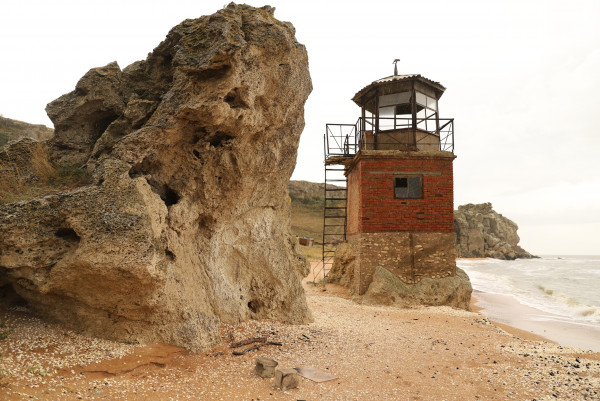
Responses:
[402,269]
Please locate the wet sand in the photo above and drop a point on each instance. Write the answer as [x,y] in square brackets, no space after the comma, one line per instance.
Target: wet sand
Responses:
[508,311]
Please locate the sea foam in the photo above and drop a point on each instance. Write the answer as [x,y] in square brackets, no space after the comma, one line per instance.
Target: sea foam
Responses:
[564,286]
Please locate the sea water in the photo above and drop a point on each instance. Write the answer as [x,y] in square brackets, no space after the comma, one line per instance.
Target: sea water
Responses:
[565,286]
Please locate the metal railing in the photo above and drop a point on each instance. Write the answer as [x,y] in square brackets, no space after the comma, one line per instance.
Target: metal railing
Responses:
[348,139]
[340,139]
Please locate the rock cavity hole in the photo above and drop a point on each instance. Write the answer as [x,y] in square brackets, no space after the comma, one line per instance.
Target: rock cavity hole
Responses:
[9,297]
[219,138]
[254,306]
[234,99]
[170,255]
[169,196]
[67,234]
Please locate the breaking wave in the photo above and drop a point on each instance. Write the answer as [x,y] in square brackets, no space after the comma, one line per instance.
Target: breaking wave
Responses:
[563,286]
[579,308]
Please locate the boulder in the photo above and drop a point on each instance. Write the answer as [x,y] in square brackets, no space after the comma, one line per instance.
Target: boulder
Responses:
[387,289]
[342,270]
[482,232]
[185,222]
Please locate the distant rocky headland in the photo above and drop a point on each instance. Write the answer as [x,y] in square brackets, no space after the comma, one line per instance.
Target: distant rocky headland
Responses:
[482,232]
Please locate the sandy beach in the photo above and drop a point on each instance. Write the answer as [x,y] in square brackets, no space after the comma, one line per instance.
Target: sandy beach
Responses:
[375,352]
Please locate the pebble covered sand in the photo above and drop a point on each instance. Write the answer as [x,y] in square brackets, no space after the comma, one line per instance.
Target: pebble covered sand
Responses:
[376,353]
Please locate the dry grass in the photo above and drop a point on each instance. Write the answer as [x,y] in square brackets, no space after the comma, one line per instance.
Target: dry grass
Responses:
[40,163]
[312,253]
[36,176]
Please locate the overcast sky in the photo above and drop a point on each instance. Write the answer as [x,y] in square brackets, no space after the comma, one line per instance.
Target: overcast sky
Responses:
[522,79]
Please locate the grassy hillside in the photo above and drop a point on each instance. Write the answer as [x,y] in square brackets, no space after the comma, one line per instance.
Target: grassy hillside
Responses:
[307,214]
[14,129]
[307,208]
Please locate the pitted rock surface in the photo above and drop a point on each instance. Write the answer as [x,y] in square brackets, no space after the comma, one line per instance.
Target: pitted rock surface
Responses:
[186,222]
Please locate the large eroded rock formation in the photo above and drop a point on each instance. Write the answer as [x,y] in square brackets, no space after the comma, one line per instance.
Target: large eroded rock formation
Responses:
[186,222]
[482,232]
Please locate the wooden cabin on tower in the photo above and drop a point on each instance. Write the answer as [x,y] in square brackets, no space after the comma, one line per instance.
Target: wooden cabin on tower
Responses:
[396,207]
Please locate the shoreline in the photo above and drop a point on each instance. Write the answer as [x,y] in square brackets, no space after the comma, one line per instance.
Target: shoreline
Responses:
[520,320]
[505,311]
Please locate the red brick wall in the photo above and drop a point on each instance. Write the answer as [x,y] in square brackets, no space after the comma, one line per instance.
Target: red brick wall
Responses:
[373,208]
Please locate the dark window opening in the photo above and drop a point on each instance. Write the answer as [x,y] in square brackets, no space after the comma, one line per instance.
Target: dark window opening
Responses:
[408,187]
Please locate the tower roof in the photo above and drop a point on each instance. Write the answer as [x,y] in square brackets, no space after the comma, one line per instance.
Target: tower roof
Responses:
[393,84]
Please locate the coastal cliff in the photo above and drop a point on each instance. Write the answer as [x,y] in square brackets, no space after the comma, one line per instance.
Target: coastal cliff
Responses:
[482,232]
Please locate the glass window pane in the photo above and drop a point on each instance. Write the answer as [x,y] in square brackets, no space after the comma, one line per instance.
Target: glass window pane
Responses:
[407,187]
[400,187]
[431,103]
[401,192]
[394,98]
[386,118]
[403,110]
[386,111]
[414,187]
[421,99]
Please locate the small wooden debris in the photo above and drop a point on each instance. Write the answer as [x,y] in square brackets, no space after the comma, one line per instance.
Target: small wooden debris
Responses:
[248,341]
[257,346]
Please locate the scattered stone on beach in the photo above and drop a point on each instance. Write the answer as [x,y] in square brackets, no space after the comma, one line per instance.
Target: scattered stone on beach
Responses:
[265,367]
[482,232]
[286,379]
[185,222]
[376,352]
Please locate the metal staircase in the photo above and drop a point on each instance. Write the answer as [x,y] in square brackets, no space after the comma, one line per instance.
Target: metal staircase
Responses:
[340,148]
[334,212]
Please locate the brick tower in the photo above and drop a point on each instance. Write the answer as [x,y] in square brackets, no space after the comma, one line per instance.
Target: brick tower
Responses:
[397,162]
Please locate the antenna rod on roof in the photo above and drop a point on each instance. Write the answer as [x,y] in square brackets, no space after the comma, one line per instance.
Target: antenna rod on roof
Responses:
[396,66]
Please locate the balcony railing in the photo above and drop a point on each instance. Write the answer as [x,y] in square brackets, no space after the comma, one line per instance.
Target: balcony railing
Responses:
[393,134]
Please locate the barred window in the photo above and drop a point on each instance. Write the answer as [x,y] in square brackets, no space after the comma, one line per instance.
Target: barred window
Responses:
[407,187]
